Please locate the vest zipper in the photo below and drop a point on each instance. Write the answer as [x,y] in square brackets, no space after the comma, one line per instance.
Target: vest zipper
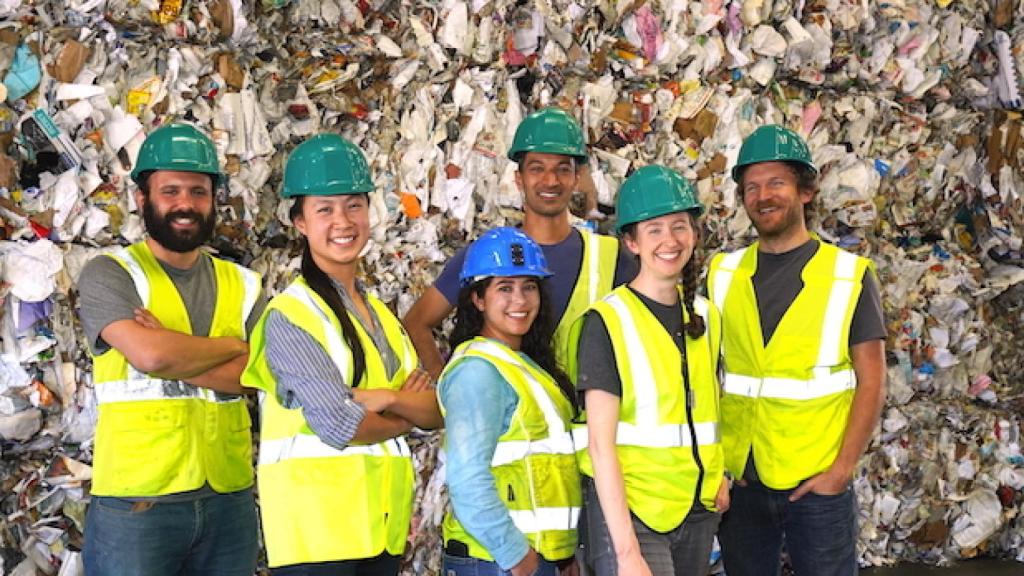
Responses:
[689,421]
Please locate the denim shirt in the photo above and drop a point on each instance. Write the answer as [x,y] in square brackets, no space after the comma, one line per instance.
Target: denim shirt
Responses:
[479,404]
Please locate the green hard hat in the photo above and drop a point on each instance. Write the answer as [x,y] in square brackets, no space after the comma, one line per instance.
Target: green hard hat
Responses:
[773,143]
[326,165]
[552,131]
[654,191]
[178,147]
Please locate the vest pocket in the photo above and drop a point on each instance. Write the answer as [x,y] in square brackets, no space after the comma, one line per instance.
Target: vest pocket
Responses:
[143,447]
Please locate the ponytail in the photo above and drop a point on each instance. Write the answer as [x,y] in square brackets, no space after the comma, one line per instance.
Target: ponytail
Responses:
[320,283]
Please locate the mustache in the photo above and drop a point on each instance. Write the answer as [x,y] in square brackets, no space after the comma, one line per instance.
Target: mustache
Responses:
[192,214]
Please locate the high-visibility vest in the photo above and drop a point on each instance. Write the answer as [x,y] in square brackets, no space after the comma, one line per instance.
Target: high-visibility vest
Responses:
[319,503]
[596,277]
[667,438]
[154,436]
[533,464]
[788,401]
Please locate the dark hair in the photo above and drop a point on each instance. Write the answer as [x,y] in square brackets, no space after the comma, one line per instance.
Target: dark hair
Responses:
[806,181]
[690,277]
[321,283]
[469,321]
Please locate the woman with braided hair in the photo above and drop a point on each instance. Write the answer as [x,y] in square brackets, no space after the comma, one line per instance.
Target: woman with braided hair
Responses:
[646,359]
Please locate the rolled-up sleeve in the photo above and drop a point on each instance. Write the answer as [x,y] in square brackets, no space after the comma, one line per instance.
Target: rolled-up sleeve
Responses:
[308,378]
[478,408]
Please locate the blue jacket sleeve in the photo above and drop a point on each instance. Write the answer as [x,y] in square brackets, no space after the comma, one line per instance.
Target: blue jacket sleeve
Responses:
[478,409]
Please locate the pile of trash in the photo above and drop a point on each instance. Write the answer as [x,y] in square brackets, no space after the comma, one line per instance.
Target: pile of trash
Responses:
[912,109]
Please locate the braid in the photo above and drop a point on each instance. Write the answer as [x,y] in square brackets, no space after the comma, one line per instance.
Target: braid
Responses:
[691,278]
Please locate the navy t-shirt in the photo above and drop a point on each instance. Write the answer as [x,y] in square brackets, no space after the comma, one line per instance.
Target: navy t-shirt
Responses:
[564,260]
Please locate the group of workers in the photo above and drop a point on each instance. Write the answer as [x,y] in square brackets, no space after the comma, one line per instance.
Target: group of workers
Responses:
[601,416]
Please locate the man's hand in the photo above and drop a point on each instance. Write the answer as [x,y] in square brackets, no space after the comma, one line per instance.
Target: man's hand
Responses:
[418,381]
[829,483]
[377,400]
[146,319]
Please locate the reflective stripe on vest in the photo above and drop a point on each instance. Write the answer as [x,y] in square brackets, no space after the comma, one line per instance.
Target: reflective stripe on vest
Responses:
[790,388]
[540,519]
[310,446]
[656,436]
[145,389]
[336,347]
[591,247]
[508,451]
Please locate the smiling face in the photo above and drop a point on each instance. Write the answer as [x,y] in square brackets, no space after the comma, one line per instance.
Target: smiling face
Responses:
[337,229]
[664,244]
[547,182]
[509,306]
[178,209]
[774,201]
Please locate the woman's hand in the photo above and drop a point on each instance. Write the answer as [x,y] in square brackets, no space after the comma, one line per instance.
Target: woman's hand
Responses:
[528,565]
[633,563]
[722,499]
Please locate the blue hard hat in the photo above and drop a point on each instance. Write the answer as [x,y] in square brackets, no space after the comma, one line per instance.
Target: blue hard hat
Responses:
[503,252]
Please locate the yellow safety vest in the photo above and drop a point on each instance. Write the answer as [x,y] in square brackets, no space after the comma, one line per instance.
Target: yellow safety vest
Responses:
[533,465]
[596,278]
[788,401]
[318,503]
[154,436]
[659,423]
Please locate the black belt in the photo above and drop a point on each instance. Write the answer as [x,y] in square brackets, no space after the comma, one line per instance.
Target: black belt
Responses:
[459,549]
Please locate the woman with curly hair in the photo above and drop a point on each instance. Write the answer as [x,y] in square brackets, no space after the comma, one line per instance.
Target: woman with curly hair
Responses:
[508,408]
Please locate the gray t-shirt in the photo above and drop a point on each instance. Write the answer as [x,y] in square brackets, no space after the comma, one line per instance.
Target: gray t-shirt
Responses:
[777,282]
[107,294]
[596,358]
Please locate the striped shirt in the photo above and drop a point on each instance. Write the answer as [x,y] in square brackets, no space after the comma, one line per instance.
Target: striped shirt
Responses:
[308,378]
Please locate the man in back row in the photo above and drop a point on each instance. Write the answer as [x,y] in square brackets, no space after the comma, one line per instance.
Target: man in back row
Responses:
[549,150]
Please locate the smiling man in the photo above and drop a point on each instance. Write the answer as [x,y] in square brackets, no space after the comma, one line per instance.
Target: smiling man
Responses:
[549,150]
[804,361]
[167,324]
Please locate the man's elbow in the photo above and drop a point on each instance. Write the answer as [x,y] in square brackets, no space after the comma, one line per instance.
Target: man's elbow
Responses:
[152,360]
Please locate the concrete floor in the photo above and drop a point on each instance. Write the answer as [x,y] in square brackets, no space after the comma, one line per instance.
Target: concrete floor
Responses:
[965,568]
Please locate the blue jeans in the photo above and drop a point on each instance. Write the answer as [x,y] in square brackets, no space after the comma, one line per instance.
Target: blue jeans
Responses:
[820,532]
[458,566]
[214,535]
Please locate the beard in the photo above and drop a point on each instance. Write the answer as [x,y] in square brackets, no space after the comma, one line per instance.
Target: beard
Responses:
[161,230]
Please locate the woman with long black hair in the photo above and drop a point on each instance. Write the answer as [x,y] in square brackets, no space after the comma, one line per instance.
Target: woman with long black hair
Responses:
[341,387]
[511,470]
